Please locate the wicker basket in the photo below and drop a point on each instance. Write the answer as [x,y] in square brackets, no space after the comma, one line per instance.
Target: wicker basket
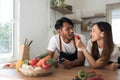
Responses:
[42,72]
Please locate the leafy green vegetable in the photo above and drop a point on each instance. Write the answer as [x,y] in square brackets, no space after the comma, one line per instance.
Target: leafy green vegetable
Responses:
[82,74]
[51,61]
[25,61]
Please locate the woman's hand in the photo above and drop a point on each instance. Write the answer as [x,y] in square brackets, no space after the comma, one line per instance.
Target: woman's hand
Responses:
[79,43]
[112,66]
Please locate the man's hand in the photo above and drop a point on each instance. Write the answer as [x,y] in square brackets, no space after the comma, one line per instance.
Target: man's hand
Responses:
[67,64]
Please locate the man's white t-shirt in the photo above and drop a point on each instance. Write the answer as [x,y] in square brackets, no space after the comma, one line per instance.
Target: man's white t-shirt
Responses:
[114,55]
[54,44]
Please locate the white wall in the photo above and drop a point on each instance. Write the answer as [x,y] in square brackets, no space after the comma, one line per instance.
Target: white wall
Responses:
[34,24]
[90,7]
[76,9]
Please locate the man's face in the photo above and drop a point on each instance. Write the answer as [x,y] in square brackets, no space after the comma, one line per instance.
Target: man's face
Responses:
[67,31]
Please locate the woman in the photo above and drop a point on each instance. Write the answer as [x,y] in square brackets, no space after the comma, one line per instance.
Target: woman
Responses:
[101,52]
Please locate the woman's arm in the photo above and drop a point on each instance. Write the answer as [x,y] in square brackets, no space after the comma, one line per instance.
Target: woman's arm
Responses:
[94,64]
[91,60]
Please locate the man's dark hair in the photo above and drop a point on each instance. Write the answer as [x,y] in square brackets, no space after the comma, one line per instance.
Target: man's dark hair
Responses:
[59,23]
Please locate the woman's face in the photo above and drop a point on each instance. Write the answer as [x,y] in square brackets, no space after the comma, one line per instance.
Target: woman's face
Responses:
[96,34]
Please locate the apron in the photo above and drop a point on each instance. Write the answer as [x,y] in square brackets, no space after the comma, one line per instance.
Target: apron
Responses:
[68,56]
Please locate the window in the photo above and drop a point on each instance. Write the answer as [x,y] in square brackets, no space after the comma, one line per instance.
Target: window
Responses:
[116,25]
[113,17]
[8,34]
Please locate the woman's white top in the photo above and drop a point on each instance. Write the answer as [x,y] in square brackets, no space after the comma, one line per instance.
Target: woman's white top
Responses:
[114,55]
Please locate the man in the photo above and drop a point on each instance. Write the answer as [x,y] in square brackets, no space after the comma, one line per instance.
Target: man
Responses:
[64,44]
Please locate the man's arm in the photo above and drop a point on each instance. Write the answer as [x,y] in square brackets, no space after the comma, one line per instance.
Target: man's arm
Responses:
[51,53]
[77,62]
[80,61]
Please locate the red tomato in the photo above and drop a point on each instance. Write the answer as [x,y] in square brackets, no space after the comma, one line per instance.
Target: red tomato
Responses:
[91,71]
[33,61]
[45,65]
[76,36]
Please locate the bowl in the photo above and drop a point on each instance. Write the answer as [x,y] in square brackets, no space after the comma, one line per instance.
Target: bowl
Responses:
[43,72]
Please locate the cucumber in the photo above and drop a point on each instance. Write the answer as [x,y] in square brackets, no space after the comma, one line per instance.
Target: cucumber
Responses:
[42,55]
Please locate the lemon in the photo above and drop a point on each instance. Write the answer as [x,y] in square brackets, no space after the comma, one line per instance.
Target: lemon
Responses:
[19,64]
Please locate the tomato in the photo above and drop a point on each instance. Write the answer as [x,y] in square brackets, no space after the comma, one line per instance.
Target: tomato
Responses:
[76,36]
[33,61]
[91,71]
[45,65]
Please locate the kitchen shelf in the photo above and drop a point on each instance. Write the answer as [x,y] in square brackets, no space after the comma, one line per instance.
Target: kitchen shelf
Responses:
[88,21]
[62,10]
[76,21]
[92,17]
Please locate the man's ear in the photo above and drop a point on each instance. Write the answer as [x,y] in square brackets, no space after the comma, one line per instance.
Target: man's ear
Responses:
[58,30]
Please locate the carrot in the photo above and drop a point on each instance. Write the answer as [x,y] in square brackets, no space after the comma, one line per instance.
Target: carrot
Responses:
[39,63]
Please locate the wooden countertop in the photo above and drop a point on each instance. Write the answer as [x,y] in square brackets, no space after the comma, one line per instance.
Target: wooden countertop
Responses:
[59,74]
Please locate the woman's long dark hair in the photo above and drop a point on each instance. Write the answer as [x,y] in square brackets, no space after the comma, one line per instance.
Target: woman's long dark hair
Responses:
[108,42]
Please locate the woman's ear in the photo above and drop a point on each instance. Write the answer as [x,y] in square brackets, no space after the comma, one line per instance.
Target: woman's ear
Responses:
[102,34]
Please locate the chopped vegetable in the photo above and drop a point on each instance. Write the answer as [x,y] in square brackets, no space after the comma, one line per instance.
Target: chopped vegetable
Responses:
[87,75]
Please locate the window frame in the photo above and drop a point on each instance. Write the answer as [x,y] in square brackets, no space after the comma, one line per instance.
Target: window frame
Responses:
[15,34]
[109,9]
